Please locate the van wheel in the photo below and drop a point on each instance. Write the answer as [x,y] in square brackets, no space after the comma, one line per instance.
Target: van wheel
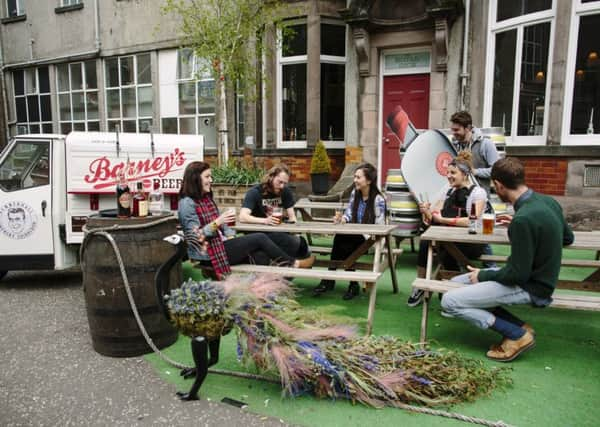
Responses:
[2,274]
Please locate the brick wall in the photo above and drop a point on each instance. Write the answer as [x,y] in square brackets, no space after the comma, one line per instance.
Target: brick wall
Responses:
[546,175]
[354,154]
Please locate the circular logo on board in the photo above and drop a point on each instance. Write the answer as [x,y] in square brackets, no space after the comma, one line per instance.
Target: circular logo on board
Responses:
[442,161]
[17,220]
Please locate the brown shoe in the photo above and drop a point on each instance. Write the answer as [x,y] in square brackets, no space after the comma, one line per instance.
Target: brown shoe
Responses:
[526,326]
[306,262]
[511,349]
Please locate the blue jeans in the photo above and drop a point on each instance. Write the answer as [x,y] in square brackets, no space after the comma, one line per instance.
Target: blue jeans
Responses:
[470,302]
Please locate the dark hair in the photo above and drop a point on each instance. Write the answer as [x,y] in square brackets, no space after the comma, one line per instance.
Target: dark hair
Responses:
[462,118]
[371,174]
[510,172]
[266,183]
[17,210]
[191,186]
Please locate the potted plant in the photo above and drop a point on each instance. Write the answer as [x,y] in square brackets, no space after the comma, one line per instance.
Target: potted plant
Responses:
[320,168]
[232,180]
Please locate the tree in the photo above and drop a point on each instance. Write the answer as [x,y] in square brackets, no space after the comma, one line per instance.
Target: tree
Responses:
[229,35]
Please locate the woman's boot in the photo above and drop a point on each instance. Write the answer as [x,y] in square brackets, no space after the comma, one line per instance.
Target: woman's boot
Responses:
[353,290]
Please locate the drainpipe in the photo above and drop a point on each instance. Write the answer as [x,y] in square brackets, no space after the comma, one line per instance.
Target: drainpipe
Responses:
[4,95]
[96,25]
[464,75]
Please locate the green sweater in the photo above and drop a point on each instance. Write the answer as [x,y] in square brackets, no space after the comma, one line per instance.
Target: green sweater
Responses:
[537,234]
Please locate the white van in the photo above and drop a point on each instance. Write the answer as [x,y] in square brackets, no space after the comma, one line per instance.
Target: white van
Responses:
[50,184]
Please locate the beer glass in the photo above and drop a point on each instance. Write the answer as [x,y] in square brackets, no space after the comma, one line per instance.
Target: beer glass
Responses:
[487,221]
[232,222]
[278,214]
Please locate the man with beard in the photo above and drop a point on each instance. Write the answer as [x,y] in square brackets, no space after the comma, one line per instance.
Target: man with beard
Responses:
[264,201]
[537,234]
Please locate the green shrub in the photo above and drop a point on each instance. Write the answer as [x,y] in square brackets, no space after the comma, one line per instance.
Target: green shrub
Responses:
[236,173]
[320,160]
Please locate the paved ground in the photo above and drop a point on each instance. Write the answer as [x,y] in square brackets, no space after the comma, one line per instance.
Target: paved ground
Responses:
[50,375]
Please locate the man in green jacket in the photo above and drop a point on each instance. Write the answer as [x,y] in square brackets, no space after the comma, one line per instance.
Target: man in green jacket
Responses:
[537,234]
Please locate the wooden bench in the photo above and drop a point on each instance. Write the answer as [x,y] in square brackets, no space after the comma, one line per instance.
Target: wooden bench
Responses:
[566,262]
[560,300]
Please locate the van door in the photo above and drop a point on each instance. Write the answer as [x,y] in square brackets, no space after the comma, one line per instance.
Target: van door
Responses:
[26,206]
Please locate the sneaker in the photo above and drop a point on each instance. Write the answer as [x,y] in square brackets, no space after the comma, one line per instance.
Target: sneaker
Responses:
[511,349]
[324,286]
[415,298]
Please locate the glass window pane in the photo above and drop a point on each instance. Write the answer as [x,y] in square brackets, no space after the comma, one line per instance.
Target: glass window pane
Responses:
[126,66]
[19,82]
[112,72]
[511,8]
[113,103]
[34,128]
[33,108]
[91,81]
[79,126]
[46,108]
[504,74]
[78,106]
[62,77]
[21,107]
[93,126]
[91,100]
[145,101]
[333,40]
[187,98]
[128,101]
[206,97]
[293,100]
[44,80]
[76,76]
[13,8]
[169,125]
[332,102]
[187,125]
[30,81]
[586,91]
[65,128]
[145,125]
[206,127]
[534,68]
[129,126]
[113,124]
[294,40]
[185,63]
[47,128]
[64,106]
[144,74]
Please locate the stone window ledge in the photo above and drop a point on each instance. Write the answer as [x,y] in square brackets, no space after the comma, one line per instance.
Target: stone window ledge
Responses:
[11,19]
[70,8]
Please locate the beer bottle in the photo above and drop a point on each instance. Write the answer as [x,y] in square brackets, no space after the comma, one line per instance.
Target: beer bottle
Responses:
[123,197]
[140,204]
[473,220]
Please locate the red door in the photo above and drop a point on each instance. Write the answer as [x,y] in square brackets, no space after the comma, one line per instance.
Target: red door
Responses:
[412,93]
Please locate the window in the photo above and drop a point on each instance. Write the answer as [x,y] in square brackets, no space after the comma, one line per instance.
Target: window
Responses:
[26,166]
[333,75]
[77,88]
[517,70]
[14,8]
[32,100]
[69,2]
[129,94]
[196,100]
[292,72]
[582,89]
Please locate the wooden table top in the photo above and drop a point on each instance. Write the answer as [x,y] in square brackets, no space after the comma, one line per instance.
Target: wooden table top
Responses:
[319,228]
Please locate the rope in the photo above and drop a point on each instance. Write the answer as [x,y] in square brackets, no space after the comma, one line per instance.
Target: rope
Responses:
[103,232]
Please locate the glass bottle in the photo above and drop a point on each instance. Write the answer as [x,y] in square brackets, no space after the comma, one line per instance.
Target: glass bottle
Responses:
[473,220]
[155,198]
[123,197]
[140,203]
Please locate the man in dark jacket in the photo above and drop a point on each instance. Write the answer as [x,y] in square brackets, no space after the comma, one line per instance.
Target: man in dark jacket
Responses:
[537,234]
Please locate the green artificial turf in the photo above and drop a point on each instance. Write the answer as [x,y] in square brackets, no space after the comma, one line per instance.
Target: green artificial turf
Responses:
[555,384]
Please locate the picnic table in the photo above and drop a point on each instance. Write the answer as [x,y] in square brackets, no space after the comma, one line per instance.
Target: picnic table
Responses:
[366,271]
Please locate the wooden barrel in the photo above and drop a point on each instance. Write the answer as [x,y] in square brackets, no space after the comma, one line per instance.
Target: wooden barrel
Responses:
[113,327]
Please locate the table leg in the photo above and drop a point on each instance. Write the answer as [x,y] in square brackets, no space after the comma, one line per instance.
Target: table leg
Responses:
[371,314]
[391,262]
[424,315]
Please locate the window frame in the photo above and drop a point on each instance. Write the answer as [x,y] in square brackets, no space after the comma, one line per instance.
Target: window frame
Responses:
[578,10]
[70,92]
[136,86]
[289,60]
[517,23]
[336,60]
[40,123]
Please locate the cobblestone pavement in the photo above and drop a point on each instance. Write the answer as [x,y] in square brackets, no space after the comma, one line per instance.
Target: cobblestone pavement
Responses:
[51,376]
